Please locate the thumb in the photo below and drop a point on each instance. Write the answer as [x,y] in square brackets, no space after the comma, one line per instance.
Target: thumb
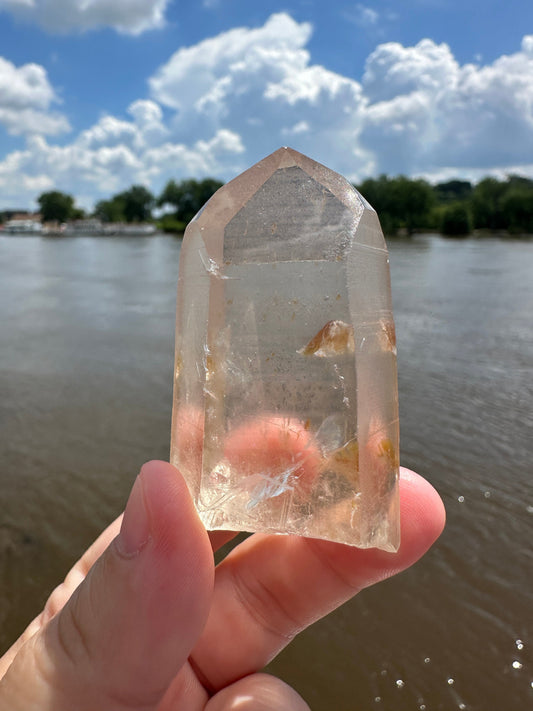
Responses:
[129,627]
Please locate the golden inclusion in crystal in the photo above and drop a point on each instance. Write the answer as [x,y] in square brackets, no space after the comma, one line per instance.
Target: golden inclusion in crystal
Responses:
[285,414]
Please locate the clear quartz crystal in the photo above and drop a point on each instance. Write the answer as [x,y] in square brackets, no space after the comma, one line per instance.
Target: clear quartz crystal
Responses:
[285,413]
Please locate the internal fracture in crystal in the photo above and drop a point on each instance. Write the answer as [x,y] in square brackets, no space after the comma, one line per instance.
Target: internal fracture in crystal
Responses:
[285,413]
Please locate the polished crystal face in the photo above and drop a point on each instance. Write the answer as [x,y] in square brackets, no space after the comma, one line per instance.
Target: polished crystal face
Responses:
[285,411]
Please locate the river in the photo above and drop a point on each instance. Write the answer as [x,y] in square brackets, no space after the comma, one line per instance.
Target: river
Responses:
[86,354]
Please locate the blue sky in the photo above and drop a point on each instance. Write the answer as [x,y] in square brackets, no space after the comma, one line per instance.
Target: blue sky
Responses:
[96,95]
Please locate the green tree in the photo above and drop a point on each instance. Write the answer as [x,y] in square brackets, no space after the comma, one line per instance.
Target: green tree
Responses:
[132,205]
[188,196]
[519,181]
[414,201]
[486,208]
[399,202]
[56,206]
[378,192]
[78,213]
[110,210]
[516,207]
[453,191]
[455,220]
[138,202]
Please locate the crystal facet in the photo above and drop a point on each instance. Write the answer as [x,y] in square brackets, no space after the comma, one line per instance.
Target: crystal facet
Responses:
[285,411]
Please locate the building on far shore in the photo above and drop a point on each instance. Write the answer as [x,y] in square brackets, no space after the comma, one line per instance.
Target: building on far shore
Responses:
[21,222]
[93,226]
[16,214]
[18,222]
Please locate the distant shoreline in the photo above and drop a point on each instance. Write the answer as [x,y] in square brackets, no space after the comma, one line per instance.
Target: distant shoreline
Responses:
[476,234]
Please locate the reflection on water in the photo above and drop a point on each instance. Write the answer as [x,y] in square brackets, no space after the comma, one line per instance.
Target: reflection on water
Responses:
[85,396]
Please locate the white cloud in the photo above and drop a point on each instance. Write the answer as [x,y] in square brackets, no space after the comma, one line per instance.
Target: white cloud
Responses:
[427,112]
[127,16]
[112,155]
[300,127]
[366,16]
[146,113]
[260,83]
[210,68]
[393,70]
[218,106]
[227,102]
[527,45]
[24,87]
[25,99]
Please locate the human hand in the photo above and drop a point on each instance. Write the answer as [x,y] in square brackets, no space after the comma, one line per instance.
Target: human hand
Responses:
[144,622]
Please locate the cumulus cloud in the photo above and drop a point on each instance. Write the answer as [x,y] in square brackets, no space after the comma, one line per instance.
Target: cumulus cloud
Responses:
[260,83]
[218,106]
[127,16]
[214,108]
[210,68]
[427,112]
[25,99]
[112,155]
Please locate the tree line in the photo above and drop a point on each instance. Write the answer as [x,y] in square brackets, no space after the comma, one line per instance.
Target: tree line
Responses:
[180,201]
[404,205]
[453,208]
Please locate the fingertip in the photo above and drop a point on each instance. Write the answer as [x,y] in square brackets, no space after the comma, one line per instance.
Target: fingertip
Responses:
[422,520]
[165,490]
[422,509]
[174,522]
[257,692]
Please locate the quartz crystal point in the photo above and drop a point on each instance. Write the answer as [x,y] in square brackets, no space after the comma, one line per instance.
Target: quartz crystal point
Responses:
[285,413]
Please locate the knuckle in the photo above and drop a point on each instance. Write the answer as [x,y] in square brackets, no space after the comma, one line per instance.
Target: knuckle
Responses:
[72,636]
[265,608]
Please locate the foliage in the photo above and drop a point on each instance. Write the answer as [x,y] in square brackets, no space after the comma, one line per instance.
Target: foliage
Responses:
[188,196]
[401,203]
[168,223]
[505,205]
[454,207]
[485,202]
[138,203]
[453,191]
[56,206]
[132,205]
[517,207]
[455,220]
[110,210]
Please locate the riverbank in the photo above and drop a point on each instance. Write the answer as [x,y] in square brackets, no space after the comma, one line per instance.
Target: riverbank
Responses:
[153,230]
[474,234]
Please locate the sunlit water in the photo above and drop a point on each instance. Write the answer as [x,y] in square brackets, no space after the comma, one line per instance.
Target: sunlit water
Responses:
[86,351]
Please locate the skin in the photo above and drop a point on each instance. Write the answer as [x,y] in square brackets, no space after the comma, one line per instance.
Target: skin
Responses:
[144,622]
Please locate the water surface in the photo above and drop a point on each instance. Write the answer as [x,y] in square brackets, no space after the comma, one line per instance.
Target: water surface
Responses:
[86,353]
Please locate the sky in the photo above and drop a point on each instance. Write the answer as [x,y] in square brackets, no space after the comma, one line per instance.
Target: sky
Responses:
[97,95]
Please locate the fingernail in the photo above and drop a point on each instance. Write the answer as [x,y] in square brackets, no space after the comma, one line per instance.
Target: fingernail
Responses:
[135,529]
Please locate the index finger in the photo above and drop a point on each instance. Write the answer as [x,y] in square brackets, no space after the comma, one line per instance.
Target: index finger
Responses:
[271,587]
